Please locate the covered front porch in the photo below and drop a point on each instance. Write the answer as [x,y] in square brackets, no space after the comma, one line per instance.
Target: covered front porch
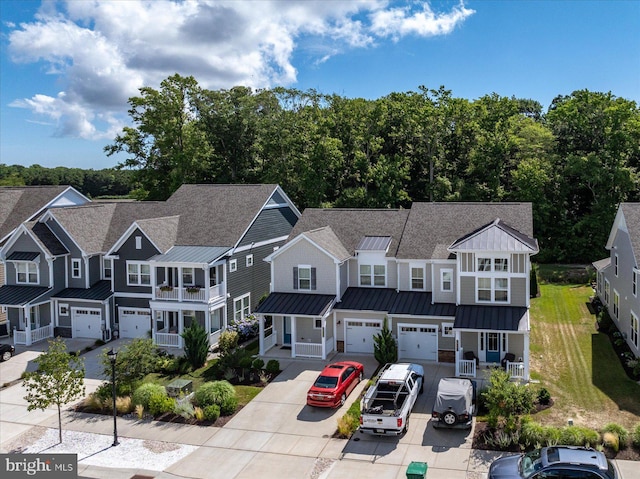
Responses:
[298,324]
[169,324]
[28,313]
[488,336]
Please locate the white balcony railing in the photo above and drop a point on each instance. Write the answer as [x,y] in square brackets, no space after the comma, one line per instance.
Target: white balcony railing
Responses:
[214,337]
[515,369]
[167,293]
[190,293]
[170,340]
[467,368]
[270,338]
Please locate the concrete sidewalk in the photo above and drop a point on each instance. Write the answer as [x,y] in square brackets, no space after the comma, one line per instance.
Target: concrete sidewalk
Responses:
[275,436]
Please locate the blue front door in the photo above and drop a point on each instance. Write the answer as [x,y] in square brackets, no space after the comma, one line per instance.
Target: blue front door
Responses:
[286,330]
[493,347]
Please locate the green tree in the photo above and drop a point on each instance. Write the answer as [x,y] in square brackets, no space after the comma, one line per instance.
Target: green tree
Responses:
[58,380]
[385,348]
[196,345]
[506,400]
[134,361]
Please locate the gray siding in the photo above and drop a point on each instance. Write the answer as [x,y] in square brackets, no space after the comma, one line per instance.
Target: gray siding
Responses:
[303,252]
[59,272]
[467,290]
[254,279]
[26,244]
[344,277]
[440,296]
[94,269]
[128,252]
[270,223]
[518,292]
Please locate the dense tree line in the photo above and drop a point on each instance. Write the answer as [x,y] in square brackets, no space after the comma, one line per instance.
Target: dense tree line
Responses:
[92,183]
[575,162]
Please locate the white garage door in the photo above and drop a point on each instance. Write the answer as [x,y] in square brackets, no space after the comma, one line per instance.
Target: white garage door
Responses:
[418,342]
[360,335]
[134,323]
[87,323]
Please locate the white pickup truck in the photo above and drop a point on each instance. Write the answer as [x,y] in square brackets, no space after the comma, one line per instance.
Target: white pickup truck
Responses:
[387,404]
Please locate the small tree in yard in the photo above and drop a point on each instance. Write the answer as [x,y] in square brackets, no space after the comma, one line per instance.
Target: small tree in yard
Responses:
[385,348]
[196,345]
[506,400]
[134,362]
[58,380]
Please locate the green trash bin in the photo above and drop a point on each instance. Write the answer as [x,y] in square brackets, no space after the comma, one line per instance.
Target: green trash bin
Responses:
[417,470]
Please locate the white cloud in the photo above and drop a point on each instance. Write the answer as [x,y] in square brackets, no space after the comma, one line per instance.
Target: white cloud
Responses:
[101,52]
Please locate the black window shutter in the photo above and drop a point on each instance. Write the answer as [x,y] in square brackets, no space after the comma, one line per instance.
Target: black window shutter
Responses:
[313,278]
[295,277]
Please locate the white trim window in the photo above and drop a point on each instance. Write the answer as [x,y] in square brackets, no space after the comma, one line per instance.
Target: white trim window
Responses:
[138,274]
[63,309]
[304,277]
[487,264]
[187,277]
[446,280]
[607,291]
[317,323]
[616,304]
[27,272]
[615,264]
[249,260]
[233,265]
[76,268]
[138,242]
[417,277]
[447,330]
[375,275]
[492,290]
[241,307]
[633,330]
[107,268]
[634,282]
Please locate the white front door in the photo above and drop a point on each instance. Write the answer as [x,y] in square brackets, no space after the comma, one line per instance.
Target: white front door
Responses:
[360,334]
[134,323]
[418,341]
[87,323]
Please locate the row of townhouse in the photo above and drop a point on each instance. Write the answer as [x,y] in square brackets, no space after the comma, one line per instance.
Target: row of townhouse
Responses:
[131,269]
[618,275]
[451,279]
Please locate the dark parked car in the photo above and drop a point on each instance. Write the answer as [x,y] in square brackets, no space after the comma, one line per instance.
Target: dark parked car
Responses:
[455,404]
[558,462]
[6,351]
[334,384]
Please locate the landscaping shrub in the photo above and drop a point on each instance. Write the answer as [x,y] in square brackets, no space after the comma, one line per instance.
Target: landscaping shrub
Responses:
[146,392]
[227,342]
[184,409]
[257,363]
[159,404]
[214,392]
[579,436]
[139,411]
[544,397]
[93,402]
[605,323]
[196,345]
[134,361]
[385,347]
[532,433]
[198,413]
[348,423]
[611,440]
[124,405]
[211,412]
[619,431]
[635,436]
[228,406]
[246,327]
[273,366]
[506,400]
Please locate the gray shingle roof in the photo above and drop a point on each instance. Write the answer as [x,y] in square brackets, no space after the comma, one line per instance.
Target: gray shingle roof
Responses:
[351,225]
[162,231]
[18,204]
[631,213]
[432,227]
[47,240]
[496,236]
[216,215]
[327,239]
[602,263]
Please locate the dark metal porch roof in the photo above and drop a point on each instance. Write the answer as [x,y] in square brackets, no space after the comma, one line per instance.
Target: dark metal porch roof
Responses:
[11,295]
[418,303]
[98,292]
[495,318]
[367,299]
[23,256]
[296,304]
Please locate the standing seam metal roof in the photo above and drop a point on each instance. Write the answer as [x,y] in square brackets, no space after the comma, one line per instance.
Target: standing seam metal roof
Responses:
[191,254]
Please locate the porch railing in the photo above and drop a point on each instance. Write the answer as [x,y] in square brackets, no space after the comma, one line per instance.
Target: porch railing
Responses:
[467,368]
[309,350]
[171,340]
[217,291]
[270,338]
[189,293]
[515,369]
[214,337]
[30,336]
[163,292]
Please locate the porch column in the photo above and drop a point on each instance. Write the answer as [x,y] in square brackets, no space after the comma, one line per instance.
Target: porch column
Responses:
[261,333]
[526,356]
[207,283]
[27,325]
[293,336]
[322,337]
[207,325]
[154,323]
[180,325]
[457,352]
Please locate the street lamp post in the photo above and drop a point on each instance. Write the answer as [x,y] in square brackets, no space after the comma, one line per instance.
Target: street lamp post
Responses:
[112,355]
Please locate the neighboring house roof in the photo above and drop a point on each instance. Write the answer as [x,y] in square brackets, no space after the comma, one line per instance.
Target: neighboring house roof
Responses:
[46,239]
[98,292]
[12,295]
[327,240]
[162,232]
[432,227]
[495,318]
[412,303]
[602,263]
[496,236]
[351,225]
[304,304]
[216,215]
[23,203]
[191,254]
[631,213]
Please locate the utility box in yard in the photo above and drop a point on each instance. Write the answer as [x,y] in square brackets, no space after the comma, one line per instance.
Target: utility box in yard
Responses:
[417,470]
[179,387]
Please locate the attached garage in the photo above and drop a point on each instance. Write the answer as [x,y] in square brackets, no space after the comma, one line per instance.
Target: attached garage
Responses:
[87,323]
[359,336]
[134,323]
[418,342]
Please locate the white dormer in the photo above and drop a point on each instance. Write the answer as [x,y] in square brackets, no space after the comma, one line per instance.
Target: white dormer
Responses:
[371,254]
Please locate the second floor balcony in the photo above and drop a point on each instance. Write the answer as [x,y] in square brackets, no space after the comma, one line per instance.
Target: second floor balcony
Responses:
[198,294]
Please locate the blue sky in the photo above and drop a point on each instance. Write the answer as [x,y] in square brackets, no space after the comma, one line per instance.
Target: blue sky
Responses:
[67,68]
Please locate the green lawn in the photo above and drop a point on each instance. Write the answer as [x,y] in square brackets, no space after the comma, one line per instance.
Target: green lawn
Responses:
[576,363]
